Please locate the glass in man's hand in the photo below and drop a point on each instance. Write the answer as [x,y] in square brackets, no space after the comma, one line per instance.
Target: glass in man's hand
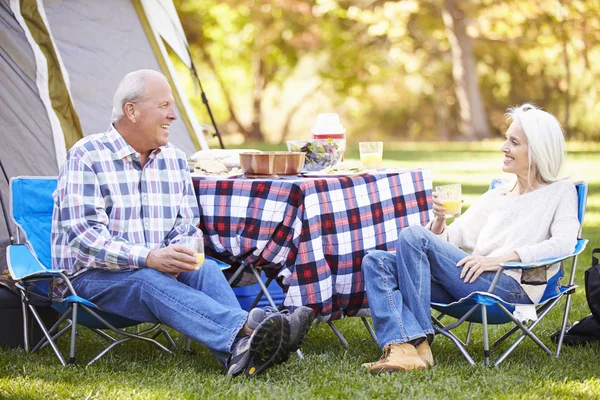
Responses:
[451,197]
[196,244]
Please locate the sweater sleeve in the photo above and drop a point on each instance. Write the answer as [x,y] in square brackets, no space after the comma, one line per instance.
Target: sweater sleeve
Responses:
[464,231]
[563,229]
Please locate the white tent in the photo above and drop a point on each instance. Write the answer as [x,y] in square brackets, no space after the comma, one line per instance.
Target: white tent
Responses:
[60,63]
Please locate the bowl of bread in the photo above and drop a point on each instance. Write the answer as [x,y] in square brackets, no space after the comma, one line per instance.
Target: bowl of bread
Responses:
[272,163]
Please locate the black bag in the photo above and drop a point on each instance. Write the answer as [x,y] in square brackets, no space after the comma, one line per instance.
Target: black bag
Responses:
[592,285]
[587,330]
[11,317]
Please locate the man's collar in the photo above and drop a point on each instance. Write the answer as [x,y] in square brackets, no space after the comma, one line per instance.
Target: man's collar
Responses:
[123,149]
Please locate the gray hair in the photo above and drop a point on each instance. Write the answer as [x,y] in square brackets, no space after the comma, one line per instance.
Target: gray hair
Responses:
[547,149]
[130,90]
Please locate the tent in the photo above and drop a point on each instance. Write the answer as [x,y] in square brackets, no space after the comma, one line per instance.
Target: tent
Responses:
[60,63]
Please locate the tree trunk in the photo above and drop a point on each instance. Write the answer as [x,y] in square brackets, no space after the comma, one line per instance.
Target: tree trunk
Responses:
[567,87]
[255,132]
[473,124]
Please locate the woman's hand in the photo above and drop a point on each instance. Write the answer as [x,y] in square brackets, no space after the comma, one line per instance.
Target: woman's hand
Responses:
[473,266]
[439,223]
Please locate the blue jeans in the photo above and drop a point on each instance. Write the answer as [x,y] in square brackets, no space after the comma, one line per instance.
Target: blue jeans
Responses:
[199,304]
[401,286]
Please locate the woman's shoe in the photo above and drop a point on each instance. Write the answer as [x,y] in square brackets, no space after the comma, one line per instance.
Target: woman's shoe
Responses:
[425,354]
[398,357]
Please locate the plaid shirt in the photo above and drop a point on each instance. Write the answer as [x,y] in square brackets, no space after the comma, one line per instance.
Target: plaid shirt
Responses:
[109,211]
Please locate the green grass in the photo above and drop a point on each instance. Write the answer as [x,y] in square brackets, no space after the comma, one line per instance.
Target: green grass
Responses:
[329,370]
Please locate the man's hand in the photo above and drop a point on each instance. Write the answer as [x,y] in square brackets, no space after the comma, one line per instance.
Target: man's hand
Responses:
[473,266]
[172,259]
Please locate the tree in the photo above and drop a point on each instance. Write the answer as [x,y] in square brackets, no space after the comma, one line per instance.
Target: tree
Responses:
[473,119]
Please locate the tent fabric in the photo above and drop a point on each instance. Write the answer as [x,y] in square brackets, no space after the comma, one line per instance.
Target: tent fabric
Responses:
[26,141]
[103,41]
[60,64]
[33,15]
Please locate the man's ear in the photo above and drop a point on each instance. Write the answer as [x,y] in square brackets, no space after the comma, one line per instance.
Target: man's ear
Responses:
[131,112]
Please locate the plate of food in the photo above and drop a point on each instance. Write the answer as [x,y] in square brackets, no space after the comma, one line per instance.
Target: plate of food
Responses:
[213,168]
[345,168]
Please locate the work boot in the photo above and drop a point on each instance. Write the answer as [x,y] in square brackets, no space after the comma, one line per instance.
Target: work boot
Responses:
[267,346]
[424,352]
[300,322]
[398,357]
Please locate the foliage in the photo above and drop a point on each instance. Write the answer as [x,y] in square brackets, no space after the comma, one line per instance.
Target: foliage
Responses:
[386,66]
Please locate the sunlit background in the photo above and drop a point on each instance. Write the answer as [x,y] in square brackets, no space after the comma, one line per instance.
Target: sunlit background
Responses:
[393,70]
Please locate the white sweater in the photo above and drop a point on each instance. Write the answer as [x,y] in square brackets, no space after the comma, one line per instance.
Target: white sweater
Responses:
[536,225]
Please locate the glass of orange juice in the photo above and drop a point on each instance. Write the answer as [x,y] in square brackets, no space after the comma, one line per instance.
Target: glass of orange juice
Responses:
[195,243]
[451,197]
[371,154]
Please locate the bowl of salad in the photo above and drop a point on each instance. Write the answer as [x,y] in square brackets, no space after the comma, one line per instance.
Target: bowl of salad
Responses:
[320,153]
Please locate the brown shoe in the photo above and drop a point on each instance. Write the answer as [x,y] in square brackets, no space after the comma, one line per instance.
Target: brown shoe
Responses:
[424,352]
[398,357]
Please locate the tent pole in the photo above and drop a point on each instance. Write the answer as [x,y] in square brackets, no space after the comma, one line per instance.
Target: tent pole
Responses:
[10,235]
[205,100]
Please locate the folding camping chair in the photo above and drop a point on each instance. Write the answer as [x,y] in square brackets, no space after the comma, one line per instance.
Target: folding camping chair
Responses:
[487,308]
[29,264]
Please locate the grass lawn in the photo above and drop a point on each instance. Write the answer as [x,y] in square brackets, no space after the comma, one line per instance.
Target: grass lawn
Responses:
[329,370]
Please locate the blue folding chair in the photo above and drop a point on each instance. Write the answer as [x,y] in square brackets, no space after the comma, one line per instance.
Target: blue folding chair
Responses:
[487,308]
[30,262]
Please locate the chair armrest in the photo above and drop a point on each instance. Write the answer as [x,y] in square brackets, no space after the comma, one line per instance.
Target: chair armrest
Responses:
[23,264]
[581,243]
[222,265]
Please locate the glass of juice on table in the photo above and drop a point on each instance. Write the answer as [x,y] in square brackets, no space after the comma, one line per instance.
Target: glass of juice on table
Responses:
[196,244]
[371,154]
[451,197]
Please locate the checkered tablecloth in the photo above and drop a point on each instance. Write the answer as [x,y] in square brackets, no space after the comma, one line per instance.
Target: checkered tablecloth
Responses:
[313,232]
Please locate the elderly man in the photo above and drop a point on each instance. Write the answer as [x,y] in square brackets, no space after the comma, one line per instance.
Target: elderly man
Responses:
[123,202]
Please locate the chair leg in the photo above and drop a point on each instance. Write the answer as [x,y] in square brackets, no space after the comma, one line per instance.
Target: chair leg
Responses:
[563,327]
[338,333]
[370,329]
[43,342]
[468,335]
[484,327]
[526,332]
[73,333]
[47,334]
[457,342]
[25,325]
[167,336]
[269,298]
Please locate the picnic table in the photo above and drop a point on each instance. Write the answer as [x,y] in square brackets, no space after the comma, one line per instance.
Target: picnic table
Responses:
[313,232]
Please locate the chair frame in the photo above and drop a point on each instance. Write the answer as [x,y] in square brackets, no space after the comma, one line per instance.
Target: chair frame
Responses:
[542,309]
[74,302]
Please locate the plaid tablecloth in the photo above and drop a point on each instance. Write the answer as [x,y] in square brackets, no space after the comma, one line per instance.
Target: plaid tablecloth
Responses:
[313,232]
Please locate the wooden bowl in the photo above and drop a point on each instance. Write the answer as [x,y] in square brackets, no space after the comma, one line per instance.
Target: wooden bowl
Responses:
[272,163]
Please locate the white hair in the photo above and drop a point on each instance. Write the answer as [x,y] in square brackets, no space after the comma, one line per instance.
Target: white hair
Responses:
[130,90]
[545,138]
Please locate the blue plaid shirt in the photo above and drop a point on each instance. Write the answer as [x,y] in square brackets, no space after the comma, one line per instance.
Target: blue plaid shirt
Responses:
[109,211]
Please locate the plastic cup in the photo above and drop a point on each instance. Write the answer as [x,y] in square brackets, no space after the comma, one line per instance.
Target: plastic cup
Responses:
[196,244]
[451,197]
[328,126]
[371,154]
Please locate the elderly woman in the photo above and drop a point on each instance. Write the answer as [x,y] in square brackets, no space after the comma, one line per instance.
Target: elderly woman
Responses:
[532,219]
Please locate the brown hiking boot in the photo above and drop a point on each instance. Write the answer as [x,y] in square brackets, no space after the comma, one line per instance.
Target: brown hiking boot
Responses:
[424,352]
[398,357]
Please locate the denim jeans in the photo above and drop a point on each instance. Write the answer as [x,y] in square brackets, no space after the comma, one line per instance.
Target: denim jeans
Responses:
[199,304]
[401,286]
